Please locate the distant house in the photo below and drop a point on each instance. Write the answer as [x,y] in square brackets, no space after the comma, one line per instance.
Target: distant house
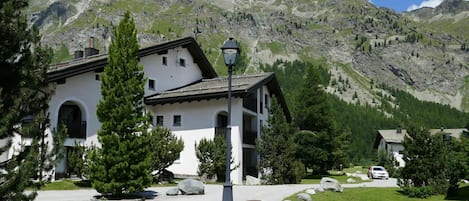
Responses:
[391,141]
[183,92]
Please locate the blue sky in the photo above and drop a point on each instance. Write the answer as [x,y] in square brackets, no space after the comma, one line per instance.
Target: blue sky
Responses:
[405,5]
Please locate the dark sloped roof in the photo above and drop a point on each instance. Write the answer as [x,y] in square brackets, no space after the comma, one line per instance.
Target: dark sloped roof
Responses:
[215,88]
[98,62]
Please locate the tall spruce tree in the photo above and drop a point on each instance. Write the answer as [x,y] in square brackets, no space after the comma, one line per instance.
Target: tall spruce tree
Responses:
[326,144]
[23,95]
[276,148]
[122,164]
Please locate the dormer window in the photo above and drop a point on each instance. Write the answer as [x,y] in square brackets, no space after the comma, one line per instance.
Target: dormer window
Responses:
[151,84]
[164,61]
[182,62]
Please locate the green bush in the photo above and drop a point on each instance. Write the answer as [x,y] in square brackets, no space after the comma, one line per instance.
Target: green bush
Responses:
[418,192]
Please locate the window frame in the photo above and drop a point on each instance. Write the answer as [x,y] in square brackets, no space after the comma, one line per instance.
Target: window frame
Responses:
[158,123]
[177,123]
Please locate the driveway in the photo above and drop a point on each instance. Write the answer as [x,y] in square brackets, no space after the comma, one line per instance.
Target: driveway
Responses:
[212,192]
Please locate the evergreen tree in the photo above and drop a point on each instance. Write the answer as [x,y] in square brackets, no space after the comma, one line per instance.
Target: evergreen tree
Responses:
[276,148]
[23,96]
[212,157]
[426,160]
[313,112]
[164,149]
[76,159]
[122,164]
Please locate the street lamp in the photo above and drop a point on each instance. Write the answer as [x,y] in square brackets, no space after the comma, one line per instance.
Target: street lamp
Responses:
[230,52]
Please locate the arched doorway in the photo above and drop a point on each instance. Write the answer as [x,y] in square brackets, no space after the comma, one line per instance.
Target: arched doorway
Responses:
[73,117]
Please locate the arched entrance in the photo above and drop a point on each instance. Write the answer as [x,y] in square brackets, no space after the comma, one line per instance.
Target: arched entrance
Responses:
[73,117]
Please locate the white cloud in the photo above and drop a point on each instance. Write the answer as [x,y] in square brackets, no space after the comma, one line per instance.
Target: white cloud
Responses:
[425,3]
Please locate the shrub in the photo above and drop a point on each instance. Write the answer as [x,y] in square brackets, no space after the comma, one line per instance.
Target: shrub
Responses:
[418,192]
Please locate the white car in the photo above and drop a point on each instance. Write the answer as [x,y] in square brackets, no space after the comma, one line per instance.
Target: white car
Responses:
[377,172]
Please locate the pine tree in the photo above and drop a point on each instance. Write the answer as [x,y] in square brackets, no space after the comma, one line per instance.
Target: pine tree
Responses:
[313,112]
[276,148]
[164,149]
[122,164]
[426,160]
[23,95]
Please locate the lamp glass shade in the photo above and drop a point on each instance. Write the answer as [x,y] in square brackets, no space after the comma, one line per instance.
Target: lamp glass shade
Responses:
[230,56]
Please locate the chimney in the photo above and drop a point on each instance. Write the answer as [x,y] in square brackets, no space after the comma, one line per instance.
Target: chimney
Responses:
[78,54]
[90,50]
[91,42]
[399,130]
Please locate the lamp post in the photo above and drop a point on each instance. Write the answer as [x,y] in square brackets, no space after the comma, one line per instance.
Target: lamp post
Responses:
[230,52]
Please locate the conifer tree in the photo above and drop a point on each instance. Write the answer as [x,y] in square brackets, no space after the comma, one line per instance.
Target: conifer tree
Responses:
[164,148]
[23,96]
[276,148]
[426,160]
[327,145]
[122,164]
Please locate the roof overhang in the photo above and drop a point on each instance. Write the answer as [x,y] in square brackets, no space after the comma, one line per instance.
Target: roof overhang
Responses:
[97,63]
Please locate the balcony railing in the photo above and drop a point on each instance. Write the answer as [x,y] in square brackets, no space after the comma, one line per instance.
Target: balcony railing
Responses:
[77,129]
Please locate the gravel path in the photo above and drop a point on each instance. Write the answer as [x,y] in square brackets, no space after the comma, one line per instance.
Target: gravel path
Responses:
[212,192]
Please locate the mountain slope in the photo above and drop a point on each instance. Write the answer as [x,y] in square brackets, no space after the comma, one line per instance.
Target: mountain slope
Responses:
[356,40]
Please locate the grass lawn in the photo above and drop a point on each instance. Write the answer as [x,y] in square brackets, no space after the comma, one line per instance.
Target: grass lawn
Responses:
[67,184]
[379,194]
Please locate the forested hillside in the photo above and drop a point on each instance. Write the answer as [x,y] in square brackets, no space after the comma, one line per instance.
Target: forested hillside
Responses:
[399,108]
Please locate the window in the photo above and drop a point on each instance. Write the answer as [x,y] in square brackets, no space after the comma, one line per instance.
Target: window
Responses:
[159,120]
[97,76]
[164,61]
[151,84]
[182,62]
[266,100]
[177,120]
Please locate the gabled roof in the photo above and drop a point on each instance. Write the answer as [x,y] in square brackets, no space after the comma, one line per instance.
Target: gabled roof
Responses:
[98,62]
[392,136]
[242,86]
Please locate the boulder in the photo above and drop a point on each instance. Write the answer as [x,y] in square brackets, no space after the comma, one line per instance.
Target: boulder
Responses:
[303,197]
[250,180]
[310,191]
[319,189]
[191,187]
[351,180]
[331,184]
[172,192]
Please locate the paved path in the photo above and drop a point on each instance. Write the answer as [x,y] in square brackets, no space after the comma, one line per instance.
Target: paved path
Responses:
[212,192]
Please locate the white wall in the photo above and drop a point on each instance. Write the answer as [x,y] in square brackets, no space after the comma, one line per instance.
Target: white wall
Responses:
[173,75]
[84,91]
[198,121]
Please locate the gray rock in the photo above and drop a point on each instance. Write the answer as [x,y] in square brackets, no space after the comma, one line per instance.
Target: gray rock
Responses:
[319,189]
[310,191]
[351,180]
[250,180]
[191,187]
[331,184]
[172,192]
[303,196]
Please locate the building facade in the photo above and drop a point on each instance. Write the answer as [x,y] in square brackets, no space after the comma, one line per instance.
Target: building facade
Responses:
[183,93]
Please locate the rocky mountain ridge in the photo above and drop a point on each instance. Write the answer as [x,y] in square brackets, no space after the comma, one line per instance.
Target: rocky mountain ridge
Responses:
[422,52]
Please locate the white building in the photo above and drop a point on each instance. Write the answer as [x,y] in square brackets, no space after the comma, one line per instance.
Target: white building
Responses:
[183,93]
[391,141]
